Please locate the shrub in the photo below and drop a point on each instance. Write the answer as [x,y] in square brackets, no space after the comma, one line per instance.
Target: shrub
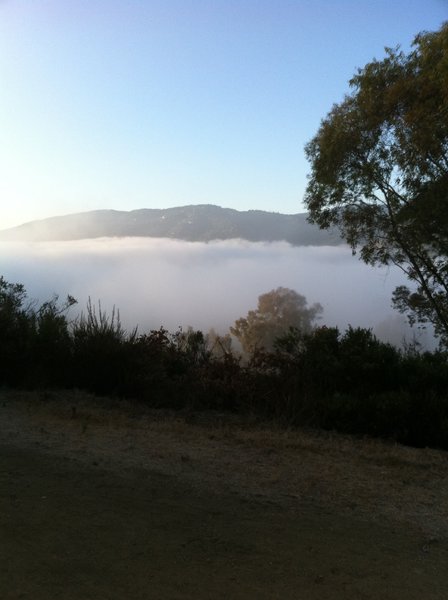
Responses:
[52,346]
[102,352]
[348,382]
[17,328]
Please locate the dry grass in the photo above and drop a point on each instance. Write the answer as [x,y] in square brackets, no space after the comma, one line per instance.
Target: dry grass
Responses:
[370,478]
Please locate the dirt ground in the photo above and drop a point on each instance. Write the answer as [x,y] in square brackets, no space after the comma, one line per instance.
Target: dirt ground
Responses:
[113,502]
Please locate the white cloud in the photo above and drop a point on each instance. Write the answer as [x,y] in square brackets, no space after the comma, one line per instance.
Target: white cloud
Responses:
[158,282]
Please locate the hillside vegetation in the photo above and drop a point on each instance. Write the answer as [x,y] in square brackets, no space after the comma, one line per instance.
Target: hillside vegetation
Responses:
[345,381]
[195,223]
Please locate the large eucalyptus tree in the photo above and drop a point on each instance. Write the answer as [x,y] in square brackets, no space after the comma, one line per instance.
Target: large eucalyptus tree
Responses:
[379,172]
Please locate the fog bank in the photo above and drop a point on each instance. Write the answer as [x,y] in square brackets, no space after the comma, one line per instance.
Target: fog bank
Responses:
[158,282]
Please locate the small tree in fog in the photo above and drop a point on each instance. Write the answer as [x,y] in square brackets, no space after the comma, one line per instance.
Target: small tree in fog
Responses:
[192,345]
[220,345]
[277,311]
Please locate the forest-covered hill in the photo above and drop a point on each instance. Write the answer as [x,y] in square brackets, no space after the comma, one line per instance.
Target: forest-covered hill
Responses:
[198,223]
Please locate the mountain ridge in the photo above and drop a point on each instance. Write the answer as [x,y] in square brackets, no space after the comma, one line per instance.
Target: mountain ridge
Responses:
[195,223]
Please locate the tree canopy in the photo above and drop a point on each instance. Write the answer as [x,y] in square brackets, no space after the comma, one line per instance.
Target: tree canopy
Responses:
[277,311]
[380,172]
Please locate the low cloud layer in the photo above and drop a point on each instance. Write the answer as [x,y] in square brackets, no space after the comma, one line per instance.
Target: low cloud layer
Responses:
[158,282]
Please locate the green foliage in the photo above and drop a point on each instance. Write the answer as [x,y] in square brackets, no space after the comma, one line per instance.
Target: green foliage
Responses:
[380,172]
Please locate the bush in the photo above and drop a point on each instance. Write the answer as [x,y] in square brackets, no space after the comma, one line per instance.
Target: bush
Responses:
[17,329]
[52,346]
[103,357]
[348,382]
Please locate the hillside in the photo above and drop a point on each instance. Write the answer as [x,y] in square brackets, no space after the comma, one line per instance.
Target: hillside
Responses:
[196,223]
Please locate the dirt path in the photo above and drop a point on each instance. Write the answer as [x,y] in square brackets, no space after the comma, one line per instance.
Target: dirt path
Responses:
[99,504]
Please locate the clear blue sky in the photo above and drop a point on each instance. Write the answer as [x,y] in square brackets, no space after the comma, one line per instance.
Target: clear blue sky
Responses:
[129,104]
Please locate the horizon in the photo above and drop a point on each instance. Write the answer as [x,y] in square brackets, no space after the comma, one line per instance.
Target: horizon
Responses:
[106,105]
[155,208]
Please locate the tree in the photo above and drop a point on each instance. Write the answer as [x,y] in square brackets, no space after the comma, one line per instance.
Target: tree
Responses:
[34,342]
[380,172]
[220,346]
[17,330]
[278,311]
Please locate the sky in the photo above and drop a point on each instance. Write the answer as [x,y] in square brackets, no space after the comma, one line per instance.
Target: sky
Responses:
[149,104]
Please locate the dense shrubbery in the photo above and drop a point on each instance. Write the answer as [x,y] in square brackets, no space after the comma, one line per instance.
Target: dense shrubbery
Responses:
[350,382]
